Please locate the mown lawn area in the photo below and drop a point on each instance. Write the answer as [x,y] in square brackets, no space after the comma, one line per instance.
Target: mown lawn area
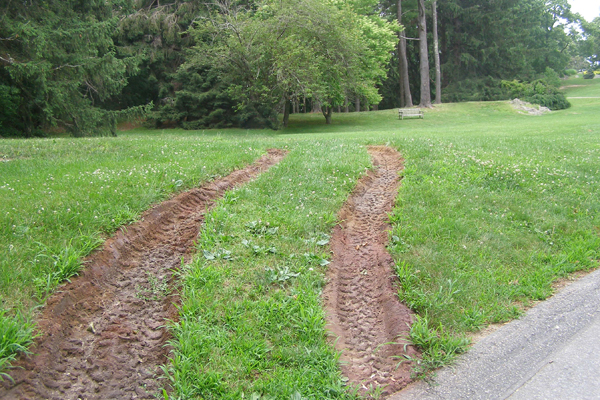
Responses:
[494,207]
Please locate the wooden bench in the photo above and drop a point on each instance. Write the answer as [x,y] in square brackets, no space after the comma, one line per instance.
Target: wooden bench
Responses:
[410,112]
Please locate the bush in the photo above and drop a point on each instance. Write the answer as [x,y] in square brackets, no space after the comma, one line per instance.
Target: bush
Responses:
[556,101]
[589,74]
[538,92]
[551,78]
[571,72]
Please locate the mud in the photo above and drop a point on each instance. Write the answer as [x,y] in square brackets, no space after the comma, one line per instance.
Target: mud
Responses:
[103,335]
[363,311]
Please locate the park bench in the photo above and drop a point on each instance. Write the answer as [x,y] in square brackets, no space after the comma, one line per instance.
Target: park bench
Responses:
[410,112]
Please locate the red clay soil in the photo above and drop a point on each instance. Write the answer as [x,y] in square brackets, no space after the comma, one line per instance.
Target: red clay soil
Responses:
[103,334]
[363,311]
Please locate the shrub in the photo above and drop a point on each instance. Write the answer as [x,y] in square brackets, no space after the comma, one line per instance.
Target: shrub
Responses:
[571,72]
[589,74]
[538,92]
[555,101]
[551,78]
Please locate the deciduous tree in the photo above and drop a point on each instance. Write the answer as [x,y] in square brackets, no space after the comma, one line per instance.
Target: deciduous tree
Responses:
[276,50]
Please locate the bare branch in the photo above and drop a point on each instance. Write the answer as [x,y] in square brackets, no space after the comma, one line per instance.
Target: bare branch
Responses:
[8,60]
[67,66]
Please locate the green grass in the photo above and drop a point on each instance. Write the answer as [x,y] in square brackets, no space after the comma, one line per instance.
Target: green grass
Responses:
[493,208]
[251,322]
[582,87]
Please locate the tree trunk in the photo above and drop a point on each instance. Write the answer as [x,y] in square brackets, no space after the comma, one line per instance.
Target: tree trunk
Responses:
[286,112]
[304,104]
[405,95]
[424,58]
[357,104]
[316,107]
[346,105]
[400,76]
[327,114]
[436,55]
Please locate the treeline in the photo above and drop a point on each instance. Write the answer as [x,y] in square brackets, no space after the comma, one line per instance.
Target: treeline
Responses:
[81,65]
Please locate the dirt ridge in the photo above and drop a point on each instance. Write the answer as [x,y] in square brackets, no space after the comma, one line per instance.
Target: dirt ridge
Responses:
[103,334]
[364,313]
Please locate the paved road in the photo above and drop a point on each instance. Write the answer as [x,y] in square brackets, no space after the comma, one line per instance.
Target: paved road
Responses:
[552,352]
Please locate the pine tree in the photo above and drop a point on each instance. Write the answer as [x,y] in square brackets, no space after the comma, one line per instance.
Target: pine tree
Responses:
[57,63]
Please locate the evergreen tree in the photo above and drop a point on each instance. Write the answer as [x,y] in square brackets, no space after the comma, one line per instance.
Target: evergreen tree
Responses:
[57,64]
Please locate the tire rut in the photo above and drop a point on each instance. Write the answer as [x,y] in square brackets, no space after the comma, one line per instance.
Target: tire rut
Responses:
[103,335]
[363,310]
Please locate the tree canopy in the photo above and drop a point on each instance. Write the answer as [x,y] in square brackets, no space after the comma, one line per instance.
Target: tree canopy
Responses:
[272,51]
[75,65]
[57,62]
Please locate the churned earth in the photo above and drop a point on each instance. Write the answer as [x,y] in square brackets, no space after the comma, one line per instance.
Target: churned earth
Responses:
[364,314]
[103,335]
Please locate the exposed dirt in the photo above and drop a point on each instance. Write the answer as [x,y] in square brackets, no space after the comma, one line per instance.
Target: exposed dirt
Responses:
[103,334]
[370,323]
[129,125]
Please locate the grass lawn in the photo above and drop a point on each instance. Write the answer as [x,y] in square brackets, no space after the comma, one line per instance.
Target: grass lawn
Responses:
[579,87]
[494,207]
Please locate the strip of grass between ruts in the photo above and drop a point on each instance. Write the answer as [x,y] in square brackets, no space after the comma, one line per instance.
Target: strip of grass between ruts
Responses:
[494,207]
[251,319]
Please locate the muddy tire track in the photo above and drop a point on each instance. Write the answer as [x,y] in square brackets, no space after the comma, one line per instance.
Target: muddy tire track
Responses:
[363,310]
[103,334]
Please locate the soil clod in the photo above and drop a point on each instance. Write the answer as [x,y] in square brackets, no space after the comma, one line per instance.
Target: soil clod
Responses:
[369,322]
[103,334]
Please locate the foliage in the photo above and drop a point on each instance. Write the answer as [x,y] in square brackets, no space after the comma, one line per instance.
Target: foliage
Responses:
[542,91]
[57,62]
[438,346]
[571,72]
[589,46]
[201,100]
[272,51]
[589,74]
[156,33]
[16,335]
[64,263]
[484,43]
[482,89]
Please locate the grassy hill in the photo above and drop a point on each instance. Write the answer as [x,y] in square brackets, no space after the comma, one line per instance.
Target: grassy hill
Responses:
[494,207]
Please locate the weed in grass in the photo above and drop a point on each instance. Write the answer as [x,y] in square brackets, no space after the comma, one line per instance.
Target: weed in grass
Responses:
[259,250]
[374,392]
[217,254]
[281,276]
[259,228]
[438,346]
[156,289]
